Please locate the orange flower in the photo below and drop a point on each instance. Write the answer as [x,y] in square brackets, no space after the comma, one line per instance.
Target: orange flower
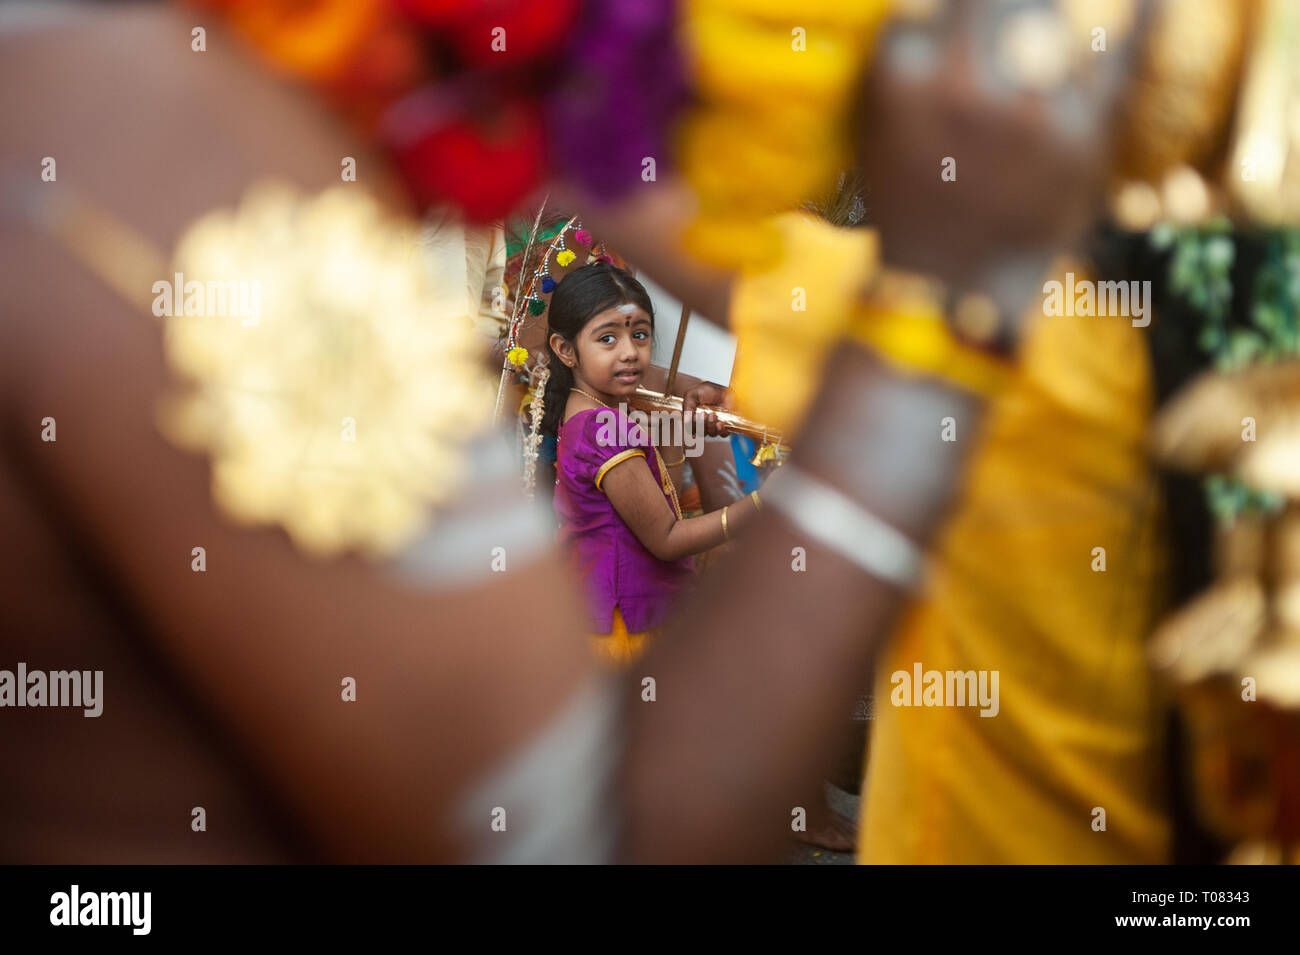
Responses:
[312,38]
[386,66]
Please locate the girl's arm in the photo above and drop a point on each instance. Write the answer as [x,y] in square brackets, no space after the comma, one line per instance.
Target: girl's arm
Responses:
[640,502]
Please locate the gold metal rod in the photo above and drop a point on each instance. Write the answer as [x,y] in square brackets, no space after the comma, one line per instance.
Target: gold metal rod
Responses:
[646,400]
[677,350]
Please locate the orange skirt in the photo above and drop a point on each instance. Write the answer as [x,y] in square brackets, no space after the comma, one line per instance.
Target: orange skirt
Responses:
[619,648]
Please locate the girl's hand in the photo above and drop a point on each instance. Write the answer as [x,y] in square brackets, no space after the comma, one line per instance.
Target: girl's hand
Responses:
[708,393]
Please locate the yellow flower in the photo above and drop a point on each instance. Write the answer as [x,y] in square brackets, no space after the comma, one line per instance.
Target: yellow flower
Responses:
[738,56]
[517,355]
[752,61]
[565,257]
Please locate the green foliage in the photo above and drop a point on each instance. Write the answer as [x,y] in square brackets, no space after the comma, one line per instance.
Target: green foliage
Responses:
[1229,497]
[1275,309]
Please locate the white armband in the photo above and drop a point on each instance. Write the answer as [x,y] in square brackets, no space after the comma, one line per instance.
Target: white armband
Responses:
[553,801]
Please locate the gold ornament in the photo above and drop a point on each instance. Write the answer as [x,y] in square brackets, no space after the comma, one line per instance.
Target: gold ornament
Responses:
[1233,654]
[340,413]
[1201,428]
[1213,121]
[1263,174]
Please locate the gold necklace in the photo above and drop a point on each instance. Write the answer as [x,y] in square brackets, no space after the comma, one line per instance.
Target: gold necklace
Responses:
[666,482]
[592,397]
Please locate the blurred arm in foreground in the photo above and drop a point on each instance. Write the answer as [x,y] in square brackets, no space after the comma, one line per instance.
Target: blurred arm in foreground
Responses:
[448,685]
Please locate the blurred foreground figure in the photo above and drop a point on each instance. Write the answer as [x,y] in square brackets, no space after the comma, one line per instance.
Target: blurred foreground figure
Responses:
[1049,576]
[1045,643]
[296,662]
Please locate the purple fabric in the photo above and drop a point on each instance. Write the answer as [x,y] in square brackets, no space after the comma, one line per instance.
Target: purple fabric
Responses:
[615,566]
[623,89]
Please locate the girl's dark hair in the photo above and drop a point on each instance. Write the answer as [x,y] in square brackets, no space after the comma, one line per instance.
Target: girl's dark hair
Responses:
[584,294]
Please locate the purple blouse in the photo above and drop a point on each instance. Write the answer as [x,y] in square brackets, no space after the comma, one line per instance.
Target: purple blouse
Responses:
[616,567]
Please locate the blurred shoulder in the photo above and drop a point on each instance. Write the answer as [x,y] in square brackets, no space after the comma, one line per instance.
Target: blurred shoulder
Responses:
[153,134]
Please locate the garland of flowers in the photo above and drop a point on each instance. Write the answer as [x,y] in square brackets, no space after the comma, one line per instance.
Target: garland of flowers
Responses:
[479,100]
[475,99]
[773,81]
[621,94]
[534,439]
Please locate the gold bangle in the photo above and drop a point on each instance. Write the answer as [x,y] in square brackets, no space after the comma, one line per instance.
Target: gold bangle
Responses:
[919,341]
[758,505]
[725,535]
[903,320]
[673,464]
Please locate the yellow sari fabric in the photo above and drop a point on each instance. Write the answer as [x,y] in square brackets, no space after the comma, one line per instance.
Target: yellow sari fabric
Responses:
[1060,471]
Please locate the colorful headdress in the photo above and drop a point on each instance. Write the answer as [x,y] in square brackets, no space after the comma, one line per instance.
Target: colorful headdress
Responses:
[550,251]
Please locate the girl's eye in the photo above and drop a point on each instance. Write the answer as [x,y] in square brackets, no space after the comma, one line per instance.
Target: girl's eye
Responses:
[606,339]
[640,334]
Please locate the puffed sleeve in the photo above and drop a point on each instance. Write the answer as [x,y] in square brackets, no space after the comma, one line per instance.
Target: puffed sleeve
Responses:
[608,438]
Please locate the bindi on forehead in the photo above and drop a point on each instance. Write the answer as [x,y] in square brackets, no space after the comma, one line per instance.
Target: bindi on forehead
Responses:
[633,317]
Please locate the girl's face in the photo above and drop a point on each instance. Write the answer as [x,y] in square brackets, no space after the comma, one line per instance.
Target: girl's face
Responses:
[614,350]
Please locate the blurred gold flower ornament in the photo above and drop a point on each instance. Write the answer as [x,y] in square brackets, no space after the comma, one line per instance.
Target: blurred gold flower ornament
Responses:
[340,412]
[1233,653]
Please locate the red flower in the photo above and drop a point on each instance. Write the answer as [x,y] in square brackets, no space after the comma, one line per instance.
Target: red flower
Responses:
[486,168]
[388,65]
[438,12]
[528,30]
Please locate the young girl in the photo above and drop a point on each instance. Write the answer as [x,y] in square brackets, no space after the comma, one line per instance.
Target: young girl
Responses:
[617,507]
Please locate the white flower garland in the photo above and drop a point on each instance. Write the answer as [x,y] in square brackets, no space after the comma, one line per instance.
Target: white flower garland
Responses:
[534,439]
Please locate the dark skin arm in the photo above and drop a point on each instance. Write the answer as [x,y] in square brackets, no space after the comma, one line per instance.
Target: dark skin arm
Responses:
[262,639]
